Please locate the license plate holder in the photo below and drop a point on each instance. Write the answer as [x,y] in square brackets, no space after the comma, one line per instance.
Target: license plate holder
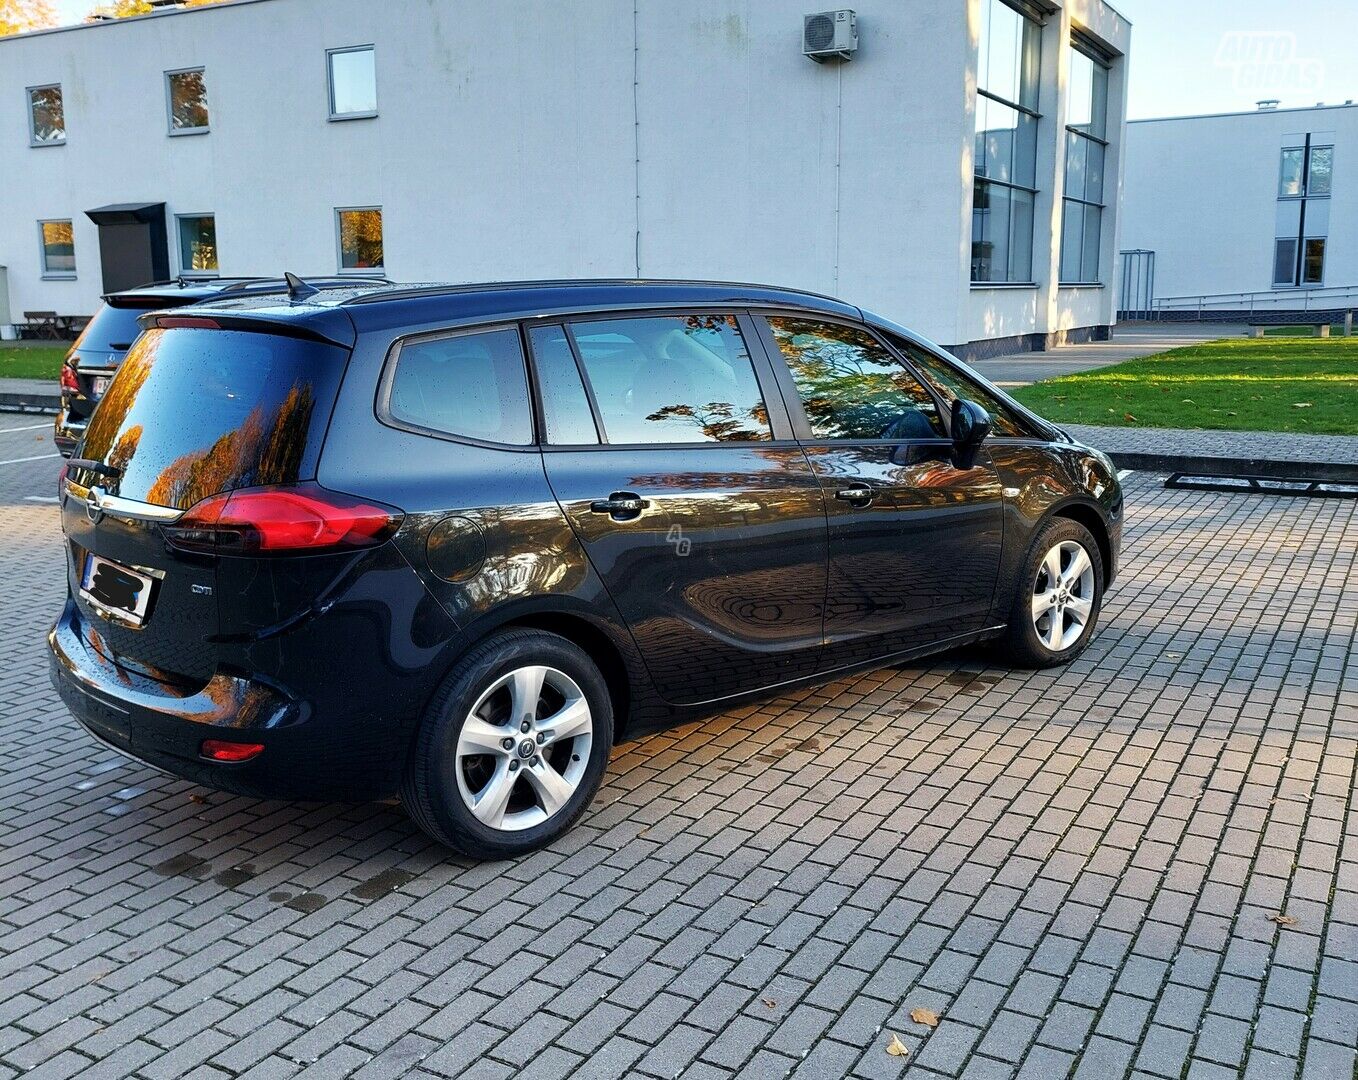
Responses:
[117,591]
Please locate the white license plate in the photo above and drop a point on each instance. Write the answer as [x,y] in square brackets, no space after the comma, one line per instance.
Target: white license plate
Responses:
[122,593]
[98,385]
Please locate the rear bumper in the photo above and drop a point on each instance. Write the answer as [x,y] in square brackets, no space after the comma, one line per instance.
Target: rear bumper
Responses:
[164,726]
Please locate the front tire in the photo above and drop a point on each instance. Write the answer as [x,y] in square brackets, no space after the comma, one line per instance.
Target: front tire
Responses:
[1060,593]
[513,748]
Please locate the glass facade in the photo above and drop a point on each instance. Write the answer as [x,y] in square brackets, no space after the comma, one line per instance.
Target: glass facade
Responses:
[1086,151]
[1305,182]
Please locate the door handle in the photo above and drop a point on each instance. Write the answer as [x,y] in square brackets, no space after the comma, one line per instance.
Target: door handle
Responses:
[620,505]
[858,494]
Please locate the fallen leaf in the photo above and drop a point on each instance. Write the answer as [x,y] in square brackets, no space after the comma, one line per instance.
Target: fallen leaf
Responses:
[896,1048]
[927,1017]
[1282,919]
[197,799]
[1129,416]
[1301,404]
[1188,401]
[770,1003]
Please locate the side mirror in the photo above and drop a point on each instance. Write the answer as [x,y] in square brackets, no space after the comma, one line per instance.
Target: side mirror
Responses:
[970,426]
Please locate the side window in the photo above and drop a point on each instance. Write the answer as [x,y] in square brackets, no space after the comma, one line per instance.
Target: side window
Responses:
[473,385]
[565,406]
[851,386]
[672,379]
[952,384]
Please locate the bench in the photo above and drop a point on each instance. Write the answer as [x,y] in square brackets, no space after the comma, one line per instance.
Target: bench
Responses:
[49,326]
[1318,327]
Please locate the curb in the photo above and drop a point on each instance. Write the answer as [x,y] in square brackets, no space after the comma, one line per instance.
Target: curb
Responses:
[1264,468]
[13,401]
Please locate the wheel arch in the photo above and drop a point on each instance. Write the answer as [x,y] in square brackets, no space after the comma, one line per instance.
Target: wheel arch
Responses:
[1089,516]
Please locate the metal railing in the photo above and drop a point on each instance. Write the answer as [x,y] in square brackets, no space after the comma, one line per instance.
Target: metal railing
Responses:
[1328,299]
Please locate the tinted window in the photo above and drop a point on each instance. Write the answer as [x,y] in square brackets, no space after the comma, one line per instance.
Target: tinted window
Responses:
[952,384]
[113,329]
[565,406]
[473,385]
[194,412]
[851,385]
[680,378]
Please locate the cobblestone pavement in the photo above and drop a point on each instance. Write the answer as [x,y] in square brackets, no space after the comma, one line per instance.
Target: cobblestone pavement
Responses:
[1079,871]
[1276,445]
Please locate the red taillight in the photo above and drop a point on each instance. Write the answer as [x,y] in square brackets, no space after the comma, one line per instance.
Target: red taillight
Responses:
[304,519]
[220,750]
[68,380]
[187,322]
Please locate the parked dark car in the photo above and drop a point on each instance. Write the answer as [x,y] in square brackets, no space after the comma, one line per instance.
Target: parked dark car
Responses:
[95,355]
[453,543]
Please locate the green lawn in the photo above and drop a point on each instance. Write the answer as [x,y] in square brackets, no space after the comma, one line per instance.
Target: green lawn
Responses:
[31,361]
[1277,384]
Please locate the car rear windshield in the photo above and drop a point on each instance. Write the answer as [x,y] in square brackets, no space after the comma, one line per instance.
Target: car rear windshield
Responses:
[193,412]
[113,329]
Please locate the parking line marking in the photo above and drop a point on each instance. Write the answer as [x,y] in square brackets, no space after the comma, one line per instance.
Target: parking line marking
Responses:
[40,498]
[21,460]
[31,427]
[1124,473]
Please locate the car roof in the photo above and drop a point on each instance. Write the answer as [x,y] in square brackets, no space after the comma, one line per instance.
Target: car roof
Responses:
[384,306]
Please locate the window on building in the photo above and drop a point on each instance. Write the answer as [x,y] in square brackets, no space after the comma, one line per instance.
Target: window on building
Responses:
[1313,262]
[851,385]
[1006,144]
[1305,180]
[187,95]
[472,385]
[58,248]
[198,244]
[360,238]
[1086,150]
[353,82]
[46,116]
[672,379]
[1320,171]
[1289,176]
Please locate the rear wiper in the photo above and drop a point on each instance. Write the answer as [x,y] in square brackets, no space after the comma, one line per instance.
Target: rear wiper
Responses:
[95,467]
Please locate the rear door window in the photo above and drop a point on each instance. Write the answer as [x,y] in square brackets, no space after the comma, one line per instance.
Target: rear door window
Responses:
[473,385]
[672,379]
[194,412]
[851,385]
[565,404]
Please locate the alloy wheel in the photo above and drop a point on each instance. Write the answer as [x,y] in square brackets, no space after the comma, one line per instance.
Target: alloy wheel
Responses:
[524,747]
[1063,596]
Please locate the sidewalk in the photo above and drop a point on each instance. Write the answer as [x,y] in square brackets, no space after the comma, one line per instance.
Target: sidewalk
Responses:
[1130,341]
[1232,445]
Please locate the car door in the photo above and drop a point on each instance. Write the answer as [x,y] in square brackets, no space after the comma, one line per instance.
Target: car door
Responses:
[672,456]
[914,532]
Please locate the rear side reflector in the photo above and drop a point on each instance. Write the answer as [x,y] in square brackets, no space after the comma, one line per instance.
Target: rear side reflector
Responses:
[219,750]
[302,519]
[68,379]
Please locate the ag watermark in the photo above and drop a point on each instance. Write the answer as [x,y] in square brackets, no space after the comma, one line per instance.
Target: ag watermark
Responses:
[1265,61]
[682,544]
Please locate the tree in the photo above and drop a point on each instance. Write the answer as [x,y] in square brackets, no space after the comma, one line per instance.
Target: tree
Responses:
[122,9]
[16,16]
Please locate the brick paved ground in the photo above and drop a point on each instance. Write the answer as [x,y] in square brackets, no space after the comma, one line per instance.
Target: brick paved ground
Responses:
[1075,869]
[1275,445]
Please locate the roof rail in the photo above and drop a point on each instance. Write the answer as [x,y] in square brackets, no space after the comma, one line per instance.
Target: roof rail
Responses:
[443,289]
[332,282]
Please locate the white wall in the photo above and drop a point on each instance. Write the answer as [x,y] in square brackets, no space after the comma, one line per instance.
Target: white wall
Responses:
[514,145]
[1201,192]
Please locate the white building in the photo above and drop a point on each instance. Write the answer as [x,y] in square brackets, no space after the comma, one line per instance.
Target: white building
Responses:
[514,139]
[1253,209]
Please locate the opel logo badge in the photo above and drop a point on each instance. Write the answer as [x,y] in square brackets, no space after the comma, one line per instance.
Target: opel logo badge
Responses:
[94,508]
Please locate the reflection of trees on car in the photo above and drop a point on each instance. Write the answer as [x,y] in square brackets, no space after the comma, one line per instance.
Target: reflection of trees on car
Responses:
[259,451]
[718,422]
[850,386]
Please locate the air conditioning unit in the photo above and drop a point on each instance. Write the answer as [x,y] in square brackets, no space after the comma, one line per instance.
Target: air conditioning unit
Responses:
[830,35]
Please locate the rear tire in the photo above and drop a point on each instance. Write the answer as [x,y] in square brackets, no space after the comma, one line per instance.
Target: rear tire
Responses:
[513,748]
[1058,598]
